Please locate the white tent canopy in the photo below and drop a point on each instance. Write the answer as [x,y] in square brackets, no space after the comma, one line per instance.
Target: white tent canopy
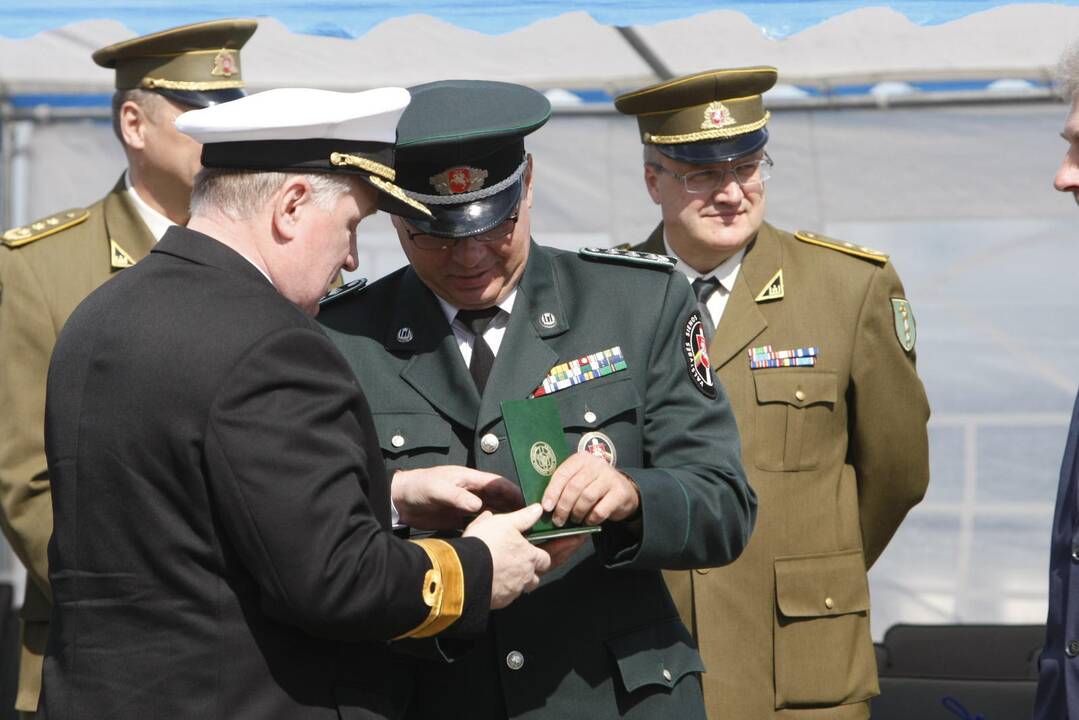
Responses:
[575,51]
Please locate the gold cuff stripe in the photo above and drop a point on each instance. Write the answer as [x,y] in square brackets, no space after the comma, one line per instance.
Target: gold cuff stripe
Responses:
[363,163]
[152,83]
[390,189]
[713,134]
[443,589]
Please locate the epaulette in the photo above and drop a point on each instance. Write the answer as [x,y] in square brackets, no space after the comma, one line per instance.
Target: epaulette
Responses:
[843,247]
[630,257]
[349,288]
[17,237]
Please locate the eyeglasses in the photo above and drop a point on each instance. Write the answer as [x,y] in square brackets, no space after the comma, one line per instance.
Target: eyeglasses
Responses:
[502,232]
[750,176]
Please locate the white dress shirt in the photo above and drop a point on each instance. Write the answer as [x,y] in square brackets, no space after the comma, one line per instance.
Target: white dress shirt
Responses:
[726,272]
[494,333]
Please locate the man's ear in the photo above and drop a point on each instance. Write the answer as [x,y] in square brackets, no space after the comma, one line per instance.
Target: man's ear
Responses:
[292,201]
[651,181]
[528,181]
[133,121]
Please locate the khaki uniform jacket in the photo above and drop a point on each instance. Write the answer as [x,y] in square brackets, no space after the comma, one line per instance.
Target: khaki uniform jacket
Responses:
[41,282]
[837,454]
[600,637]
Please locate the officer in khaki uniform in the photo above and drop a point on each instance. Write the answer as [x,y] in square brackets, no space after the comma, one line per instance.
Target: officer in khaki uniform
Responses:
[815,347]
[48,267]
[482,315]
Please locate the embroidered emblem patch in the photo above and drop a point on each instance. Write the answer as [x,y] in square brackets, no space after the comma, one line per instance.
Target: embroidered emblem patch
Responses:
[695,347]
[773,290]
[905,328]
[765,357]
[458,180]
[717,115]
[224,64]
[544,461]
[582,369]
[598,444]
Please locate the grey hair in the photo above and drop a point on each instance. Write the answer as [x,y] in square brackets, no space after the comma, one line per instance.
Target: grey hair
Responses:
[1066,74]
[239,194]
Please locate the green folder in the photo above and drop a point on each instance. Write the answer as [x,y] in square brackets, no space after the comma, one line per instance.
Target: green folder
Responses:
[534,428]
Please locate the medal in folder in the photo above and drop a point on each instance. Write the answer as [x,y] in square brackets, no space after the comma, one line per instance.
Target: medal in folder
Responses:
[534,429]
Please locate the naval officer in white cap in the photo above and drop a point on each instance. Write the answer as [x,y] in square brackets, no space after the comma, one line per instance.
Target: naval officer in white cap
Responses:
[222,544]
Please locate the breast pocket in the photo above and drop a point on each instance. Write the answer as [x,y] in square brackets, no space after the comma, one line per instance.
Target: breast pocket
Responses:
[602,415]
[794,413]
[409,440]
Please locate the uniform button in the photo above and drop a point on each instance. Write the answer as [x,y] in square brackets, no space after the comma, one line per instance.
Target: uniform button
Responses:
[703,571]
[1075,552]
[666,674]
[799,395]
[1073,648]
[589,417]
[489,443]
[515,660]
[829,603]
[397,440]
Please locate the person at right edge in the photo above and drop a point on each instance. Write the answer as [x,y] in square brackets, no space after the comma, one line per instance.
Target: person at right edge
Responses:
[814,343]
[1058,674]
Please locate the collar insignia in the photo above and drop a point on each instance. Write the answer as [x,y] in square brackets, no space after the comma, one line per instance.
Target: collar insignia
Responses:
[118,257]
[773,290]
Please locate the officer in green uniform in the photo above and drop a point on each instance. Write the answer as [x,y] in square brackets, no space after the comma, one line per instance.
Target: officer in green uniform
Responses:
[482,314]
[814,343]
[49,266]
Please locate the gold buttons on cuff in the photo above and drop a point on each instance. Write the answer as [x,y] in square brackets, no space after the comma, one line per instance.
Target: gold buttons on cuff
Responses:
[397,440]
[515,660]
[829,603]
[799,395]
[489,443]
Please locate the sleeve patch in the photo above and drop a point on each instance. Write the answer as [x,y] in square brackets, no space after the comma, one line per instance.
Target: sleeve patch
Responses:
[905,328]
[19,236]
[843,247]
[628,257]
[695,349]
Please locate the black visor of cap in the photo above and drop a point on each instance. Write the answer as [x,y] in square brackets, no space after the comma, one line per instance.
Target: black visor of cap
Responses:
[202,98]
[473,218]
[715,151]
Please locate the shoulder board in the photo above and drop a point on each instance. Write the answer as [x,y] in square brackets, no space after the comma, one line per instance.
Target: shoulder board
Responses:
[17,237]
[843,247]
[628,257]
[350,288]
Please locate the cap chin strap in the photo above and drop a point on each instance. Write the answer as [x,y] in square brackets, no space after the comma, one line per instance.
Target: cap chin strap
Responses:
[475,194]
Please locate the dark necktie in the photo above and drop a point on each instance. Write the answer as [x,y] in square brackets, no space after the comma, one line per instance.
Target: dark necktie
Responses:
[482,358]
[703,289]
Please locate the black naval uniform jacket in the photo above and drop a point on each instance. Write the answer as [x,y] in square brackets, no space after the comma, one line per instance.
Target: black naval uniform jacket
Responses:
[600,638]
[221,546]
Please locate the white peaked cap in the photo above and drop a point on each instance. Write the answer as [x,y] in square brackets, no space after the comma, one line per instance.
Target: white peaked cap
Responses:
[308,130]
[300,114]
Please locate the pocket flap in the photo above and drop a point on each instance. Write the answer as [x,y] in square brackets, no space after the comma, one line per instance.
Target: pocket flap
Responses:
[593,403]
[796,387]
[822,585]
[659,654]
[405,432]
